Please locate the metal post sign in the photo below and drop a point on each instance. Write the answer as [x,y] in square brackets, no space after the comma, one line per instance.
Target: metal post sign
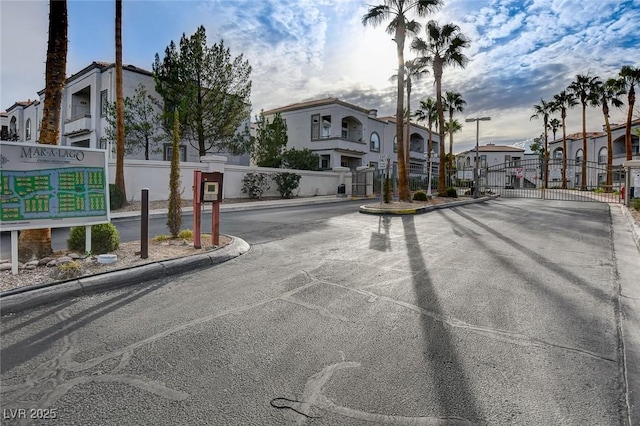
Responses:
[51,186]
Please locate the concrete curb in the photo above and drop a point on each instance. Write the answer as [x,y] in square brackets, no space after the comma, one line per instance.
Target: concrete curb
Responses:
[20,299]
[635,229]
[419,210]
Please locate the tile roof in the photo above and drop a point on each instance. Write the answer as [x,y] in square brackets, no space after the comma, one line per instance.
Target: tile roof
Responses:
[315,103]
[493,148]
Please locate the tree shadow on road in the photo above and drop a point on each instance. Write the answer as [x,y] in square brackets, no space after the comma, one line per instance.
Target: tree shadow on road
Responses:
[451,384]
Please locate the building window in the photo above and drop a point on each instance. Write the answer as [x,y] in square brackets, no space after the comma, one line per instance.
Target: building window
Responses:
[168,152]
[483,161]
[103,103]
[326,126]
[578,156]
[602,156]
[27,129]
[375,142]
[315,127]
[395,144]
[324,162]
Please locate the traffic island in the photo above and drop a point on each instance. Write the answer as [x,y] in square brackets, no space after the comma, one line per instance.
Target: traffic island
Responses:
[418,207]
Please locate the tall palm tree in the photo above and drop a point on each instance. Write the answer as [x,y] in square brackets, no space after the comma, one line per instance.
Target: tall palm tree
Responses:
[37,242]
[415,70]
[564,100]
[629,77]
[544,109]
[397,11]
[453,102]
[442,47]
[607,93]
[582,88]
[119,105]
[429,113]
[451,127]
[554,125]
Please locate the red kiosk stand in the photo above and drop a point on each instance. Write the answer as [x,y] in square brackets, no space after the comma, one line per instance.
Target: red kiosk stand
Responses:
[207,188]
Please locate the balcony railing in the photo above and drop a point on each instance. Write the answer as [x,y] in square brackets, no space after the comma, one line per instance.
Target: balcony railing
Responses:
[78,125]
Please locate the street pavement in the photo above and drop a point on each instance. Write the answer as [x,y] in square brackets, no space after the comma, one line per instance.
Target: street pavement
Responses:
[503,312]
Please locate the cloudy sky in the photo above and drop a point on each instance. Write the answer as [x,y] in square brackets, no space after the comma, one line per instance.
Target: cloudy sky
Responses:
[521,51]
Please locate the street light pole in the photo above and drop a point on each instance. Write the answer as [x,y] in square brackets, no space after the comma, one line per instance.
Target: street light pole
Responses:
[431,154]
[476,175]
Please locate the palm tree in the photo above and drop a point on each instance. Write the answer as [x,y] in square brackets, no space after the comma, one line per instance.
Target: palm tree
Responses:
[442,47]
[119,181]
[415,70]
[554,125]
[608,93]
[544,110]
[451,127]
[453,102]
[629,77]
[564,100]
[429,113]
[582,88]
[397,12]
[37,242]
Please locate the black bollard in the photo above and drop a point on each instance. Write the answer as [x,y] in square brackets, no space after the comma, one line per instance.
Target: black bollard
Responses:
[144,225]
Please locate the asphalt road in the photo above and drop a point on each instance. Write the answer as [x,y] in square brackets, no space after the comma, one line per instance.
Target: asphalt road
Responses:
[504,312]
[250,225]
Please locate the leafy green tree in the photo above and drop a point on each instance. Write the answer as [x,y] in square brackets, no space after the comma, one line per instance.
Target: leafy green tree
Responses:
[629,78]
[563,101]
[441,48]
[270,141]
[174,213]
[583,88]
[608,93]
[544,110]
[142,123]
[397,12]
[211,90]
[300,159]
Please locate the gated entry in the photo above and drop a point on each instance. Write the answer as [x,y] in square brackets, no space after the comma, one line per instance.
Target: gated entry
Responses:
[526,179]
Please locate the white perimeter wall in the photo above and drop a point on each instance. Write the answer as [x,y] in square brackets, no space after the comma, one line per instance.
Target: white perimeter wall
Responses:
[154,175]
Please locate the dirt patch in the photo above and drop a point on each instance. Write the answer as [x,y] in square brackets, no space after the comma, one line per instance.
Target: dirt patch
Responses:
[127,255]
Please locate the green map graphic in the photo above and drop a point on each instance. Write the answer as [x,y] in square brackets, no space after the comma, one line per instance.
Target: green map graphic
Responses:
[52,193]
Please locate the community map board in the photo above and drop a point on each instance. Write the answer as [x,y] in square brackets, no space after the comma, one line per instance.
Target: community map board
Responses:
[51,186]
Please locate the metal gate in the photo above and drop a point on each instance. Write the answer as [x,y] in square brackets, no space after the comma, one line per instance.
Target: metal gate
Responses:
[583,180]
[359,184]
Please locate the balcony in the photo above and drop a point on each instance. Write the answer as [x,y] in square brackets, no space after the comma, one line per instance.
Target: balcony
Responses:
[78,125]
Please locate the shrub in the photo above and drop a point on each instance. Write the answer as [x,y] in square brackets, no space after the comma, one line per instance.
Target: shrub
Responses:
[66,271]
[186,234]
[303,159]
[635,203]
[387,190]
[255,184]
[420,196]
[162,237]
[116,197]
[452,192]
[287,183]
[104,238]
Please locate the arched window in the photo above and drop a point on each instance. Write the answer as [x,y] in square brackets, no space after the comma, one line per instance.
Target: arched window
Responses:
[375,142]
[579,156]
[395,144]
[27,129]
[13,129]
[602,155]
